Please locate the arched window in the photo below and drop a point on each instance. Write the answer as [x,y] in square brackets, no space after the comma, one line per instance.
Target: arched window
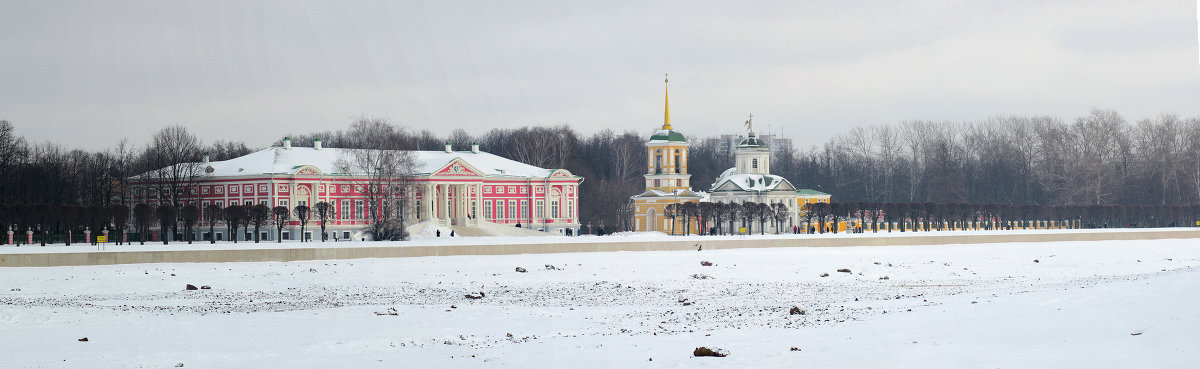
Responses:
[658,164]
[754,163]
[677,163]
[653,221]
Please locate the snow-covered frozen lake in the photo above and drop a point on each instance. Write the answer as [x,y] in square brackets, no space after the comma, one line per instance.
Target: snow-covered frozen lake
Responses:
[1016,305]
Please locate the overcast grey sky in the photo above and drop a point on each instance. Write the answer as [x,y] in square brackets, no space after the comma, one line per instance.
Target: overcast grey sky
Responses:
[86,74]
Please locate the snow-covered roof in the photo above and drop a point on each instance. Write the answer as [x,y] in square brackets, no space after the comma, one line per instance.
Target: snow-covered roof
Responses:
[279,160]
[731,180]
[704,196]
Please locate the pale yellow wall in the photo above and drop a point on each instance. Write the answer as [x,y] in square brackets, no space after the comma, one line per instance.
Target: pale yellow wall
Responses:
[642,208]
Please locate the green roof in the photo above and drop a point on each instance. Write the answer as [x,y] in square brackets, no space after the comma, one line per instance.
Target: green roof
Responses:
[810,192]
[667,135]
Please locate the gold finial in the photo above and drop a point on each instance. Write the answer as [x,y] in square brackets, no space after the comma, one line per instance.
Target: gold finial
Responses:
[667,101]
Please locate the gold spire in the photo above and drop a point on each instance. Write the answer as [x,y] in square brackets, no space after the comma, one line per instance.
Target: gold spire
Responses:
[667,99]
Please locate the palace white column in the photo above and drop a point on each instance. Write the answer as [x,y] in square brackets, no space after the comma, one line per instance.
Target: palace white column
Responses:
[460,193]
[478,201]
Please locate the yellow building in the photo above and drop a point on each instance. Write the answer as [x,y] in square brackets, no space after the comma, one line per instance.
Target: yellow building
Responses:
[806,197]
[667,180]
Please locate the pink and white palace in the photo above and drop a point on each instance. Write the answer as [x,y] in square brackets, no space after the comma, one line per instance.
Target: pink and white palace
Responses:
[450,189]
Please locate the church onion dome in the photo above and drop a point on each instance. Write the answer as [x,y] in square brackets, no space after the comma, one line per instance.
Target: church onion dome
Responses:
[667,135]
[752,142]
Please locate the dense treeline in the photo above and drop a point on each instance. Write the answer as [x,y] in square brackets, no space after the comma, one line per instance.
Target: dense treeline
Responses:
[60,192]
[1098,165]
[1098,159]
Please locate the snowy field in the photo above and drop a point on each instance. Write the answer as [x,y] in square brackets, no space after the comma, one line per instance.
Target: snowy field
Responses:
[1111,304]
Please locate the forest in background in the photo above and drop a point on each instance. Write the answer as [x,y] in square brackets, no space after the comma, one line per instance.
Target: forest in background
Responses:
[1096,159]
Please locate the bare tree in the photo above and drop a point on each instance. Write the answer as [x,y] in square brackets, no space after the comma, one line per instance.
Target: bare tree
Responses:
[688,211]
[748,213]
[281,214]
[324,212]
[212,214]
[235,217]
[172,165]
[166,214]
[258,216]
[302,215]
[191,214]
[780,214]
[143,215]
[671,211]
[385,168]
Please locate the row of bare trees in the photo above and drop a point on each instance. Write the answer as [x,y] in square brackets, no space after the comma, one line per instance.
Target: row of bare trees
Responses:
[929,216]
[1096,159]
[726,218]
[69,221]
[66,223]
[821,217]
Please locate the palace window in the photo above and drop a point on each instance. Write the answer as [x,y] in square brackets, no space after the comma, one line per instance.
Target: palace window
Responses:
[499,209]
[524,209]
[358,204]
[512,208]
[570,209]
[554,208]
[487,209]
[754,163]
[540,209]
[345,211]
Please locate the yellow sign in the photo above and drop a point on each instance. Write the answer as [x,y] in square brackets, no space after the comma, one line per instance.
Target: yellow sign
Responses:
[101,239]
[742,230]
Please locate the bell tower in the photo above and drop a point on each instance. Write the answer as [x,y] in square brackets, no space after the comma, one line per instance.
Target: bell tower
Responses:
[667,154]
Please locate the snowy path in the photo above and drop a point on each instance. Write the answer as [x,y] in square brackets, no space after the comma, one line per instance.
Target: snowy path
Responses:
[1082,304]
